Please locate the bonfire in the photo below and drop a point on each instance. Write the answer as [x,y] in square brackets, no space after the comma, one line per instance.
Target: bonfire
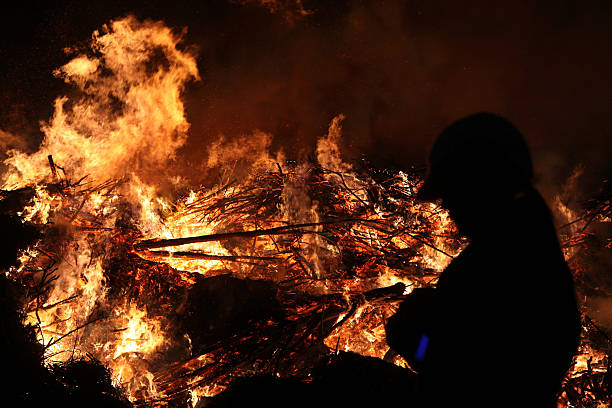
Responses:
[270,268]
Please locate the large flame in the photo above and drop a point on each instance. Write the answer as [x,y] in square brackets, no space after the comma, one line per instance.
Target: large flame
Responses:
[128,115]
[124,119]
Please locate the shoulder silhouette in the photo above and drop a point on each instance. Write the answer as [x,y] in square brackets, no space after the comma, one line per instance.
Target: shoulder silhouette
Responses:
[501,326]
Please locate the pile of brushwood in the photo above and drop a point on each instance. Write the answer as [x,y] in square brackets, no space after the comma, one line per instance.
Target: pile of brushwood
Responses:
[27,382]
[588,238]
[259,316]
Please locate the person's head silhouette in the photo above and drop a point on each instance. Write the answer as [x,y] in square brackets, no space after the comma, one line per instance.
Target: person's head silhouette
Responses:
[477,164]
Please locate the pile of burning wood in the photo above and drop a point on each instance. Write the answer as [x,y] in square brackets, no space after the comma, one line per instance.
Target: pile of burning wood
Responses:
[273,286]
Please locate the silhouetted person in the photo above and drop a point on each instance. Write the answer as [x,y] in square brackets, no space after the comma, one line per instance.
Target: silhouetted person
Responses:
[501,326]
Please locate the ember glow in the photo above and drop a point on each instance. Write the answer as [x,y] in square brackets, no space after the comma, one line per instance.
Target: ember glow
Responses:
[113,274]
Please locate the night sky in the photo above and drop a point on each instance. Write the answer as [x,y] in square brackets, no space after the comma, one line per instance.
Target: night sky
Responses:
[399,70]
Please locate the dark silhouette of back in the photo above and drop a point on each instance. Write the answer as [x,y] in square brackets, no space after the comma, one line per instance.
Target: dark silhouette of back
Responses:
[501,326]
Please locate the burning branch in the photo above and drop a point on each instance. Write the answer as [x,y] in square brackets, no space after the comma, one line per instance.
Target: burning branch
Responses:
[195,256]
[283,230]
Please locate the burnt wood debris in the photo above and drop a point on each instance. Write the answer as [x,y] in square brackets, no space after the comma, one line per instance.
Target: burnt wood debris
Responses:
[260,319]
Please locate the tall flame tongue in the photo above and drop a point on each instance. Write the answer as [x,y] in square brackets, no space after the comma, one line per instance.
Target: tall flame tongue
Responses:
[127,117]
[124,120]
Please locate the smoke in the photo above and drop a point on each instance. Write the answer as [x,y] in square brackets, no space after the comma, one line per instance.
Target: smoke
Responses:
[291,10]
[11,141]
[601,310]
[402,71]
[243,155]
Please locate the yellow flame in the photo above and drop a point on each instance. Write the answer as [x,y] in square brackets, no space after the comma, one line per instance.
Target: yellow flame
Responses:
[129,116]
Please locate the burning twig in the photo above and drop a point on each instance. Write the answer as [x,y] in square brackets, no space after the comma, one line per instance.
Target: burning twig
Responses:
[52,165]
[195,256]
[52,305]
[52,342]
